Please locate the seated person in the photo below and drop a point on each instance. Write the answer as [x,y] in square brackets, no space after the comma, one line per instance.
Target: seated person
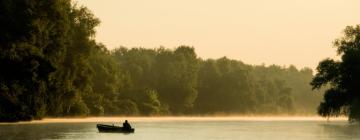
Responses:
[126,125]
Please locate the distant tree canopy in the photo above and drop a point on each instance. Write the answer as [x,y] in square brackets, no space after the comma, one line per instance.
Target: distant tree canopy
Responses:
[343,76]
[50,65]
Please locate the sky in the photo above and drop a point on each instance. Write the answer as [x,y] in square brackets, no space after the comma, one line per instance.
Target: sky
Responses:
[281,32]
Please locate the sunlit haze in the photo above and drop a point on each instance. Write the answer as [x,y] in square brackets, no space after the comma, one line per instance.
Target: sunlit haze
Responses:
[162,119]
[256,32]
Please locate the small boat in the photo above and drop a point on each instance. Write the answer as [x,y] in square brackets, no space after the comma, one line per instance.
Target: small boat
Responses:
[113,129]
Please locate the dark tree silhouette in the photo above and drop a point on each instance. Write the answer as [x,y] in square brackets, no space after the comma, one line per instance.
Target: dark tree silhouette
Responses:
[343,76]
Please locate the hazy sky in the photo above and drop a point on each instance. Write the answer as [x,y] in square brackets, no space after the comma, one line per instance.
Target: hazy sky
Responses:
[282,32]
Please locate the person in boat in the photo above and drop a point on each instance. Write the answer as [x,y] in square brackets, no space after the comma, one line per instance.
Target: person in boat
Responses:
[126,125]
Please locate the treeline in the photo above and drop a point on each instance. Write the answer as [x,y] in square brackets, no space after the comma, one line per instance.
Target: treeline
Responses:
[177,82]
[50,65]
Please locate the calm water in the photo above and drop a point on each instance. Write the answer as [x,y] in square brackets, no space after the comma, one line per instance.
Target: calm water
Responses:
[188,130]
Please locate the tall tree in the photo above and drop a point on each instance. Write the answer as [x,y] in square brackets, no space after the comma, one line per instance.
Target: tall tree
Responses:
[343,76]
[31,32]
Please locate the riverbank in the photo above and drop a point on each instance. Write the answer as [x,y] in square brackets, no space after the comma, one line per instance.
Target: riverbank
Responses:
[182,118]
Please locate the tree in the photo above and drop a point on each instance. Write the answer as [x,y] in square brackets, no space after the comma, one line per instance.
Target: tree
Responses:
[44,52]
[177,78]
[343,76]
[31,32]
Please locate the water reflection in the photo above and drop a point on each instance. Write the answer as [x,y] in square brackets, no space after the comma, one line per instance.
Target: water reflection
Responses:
[179,130]
[342,131]
[44,131]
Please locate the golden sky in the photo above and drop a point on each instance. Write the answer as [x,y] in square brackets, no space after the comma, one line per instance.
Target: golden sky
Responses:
[281,32]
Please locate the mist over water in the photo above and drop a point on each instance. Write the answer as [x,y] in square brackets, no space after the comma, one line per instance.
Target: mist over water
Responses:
[51,64]
[185,128]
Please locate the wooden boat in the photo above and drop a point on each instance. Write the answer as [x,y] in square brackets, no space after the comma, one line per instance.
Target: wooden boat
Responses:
[113,129]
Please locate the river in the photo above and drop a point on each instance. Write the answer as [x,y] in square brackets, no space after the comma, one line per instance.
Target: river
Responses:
[184,128]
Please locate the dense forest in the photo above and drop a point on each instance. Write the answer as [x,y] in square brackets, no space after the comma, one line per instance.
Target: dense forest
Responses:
[51,66]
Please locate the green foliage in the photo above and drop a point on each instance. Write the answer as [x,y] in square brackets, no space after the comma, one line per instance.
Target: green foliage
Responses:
[229,86]
[224,86]
[343,76]
[50,65]
[151,105]
[29,29]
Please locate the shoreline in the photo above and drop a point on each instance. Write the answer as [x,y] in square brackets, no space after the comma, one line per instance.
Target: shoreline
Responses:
[177,118]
